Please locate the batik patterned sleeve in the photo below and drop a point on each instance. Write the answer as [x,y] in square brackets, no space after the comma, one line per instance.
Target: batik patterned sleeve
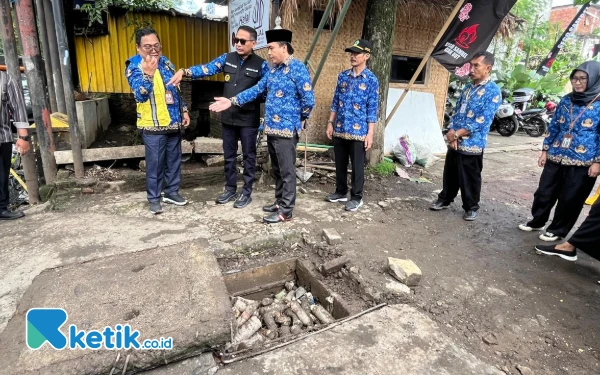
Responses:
[482,113]
[207,70]
[16,104]
[554,127]
[305,91]
[264,69]
[373,101]
[141,84]
[253,92]
[336,95]
[459,103]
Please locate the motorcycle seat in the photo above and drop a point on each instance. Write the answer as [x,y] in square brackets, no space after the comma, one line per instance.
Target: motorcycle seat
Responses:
[531,111]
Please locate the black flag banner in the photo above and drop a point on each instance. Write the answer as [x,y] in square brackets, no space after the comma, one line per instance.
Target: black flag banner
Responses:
[471,31]
[560,43]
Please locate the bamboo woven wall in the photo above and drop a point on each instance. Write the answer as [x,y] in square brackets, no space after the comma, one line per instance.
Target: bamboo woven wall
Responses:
[186,41]
[414,33]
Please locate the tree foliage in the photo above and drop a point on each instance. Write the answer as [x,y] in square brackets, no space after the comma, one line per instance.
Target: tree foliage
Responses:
[96,9]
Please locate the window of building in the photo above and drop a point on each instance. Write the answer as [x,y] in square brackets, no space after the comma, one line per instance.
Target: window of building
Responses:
[318,16]
[404,67]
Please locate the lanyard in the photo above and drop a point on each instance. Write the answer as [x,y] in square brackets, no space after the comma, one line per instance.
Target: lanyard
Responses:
[469,93]
[572,125]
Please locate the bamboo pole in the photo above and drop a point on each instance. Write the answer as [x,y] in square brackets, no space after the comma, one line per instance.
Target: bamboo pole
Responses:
[334,33]
[318,33]
[425,60]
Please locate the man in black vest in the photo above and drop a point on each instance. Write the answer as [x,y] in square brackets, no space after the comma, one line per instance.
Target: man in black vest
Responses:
[243,69]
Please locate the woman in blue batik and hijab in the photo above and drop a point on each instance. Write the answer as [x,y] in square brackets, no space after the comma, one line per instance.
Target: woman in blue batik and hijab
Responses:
[570,156]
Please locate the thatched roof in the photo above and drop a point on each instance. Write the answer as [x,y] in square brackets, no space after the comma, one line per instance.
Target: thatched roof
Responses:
[439,10]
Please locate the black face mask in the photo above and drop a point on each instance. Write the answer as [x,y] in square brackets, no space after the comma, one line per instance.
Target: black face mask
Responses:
[592,69]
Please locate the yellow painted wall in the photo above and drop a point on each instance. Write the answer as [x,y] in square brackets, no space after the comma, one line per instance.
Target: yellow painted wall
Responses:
[186,41]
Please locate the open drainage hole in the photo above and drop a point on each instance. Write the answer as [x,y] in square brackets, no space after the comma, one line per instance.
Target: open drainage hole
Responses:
[277,302]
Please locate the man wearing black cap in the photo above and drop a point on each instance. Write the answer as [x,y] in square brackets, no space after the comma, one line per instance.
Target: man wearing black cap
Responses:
[290,99]
[243,69]
[352,123]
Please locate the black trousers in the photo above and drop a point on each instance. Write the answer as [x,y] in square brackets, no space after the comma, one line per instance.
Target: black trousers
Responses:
[462,172]
[355,150]
[587,237]
[283,162]
[5,156]
[247,136]
[569,186]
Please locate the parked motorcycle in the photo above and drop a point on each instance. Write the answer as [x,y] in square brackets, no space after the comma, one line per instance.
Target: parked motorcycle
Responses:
[505,121]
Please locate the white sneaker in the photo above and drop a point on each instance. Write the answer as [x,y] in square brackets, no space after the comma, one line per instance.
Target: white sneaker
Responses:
[549,237]
[527,228]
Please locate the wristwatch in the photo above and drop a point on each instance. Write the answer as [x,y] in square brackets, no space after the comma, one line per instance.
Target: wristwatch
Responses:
[455,136]
[330,122]
[26,138]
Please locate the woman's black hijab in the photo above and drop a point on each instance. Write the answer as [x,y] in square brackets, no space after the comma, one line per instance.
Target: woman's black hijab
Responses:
[592,69]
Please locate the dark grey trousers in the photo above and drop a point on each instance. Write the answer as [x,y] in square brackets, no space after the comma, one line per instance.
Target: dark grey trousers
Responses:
[283,161]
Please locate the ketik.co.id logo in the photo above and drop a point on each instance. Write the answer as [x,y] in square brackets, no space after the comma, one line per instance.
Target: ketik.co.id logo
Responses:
[43,325]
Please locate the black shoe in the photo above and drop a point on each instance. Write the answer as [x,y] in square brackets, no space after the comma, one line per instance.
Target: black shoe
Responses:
[11,215]
[353,205]
[470,216]
[155,208]
[438,206]
[551,250]
[271,208]
[242,201]
[336,197]
[226,197]
[278,217]
[175,199]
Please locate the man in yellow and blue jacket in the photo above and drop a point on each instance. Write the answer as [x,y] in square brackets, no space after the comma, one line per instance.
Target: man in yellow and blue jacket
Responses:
[161,114]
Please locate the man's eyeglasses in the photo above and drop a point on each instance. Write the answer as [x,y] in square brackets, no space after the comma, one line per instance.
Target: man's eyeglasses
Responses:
[241,41]
[579,79]
[149,47]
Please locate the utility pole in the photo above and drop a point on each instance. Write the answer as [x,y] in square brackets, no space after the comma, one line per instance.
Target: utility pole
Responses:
[63,46]
[54,57]
[39,10]
[7,33]
[36,82]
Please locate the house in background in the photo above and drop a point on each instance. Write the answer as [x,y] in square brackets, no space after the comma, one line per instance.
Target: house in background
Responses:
[588,30]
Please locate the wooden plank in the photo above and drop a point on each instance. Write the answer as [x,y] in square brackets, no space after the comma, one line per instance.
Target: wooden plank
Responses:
[199,146]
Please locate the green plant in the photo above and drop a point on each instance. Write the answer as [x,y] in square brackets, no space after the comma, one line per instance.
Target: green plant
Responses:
[384,168]
[550,85]
[96,9]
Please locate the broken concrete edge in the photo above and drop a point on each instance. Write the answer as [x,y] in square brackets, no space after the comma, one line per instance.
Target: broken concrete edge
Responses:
[338,307]
[252,244]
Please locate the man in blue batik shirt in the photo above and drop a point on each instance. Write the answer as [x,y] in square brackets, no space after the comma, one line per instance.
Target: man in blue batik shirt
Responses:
[352,122]
[243,69]
[467,138]
[290,100]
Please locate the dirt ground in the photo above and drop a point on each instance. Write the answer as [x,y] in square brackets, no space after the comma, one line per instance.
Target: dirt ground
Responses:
[482,281]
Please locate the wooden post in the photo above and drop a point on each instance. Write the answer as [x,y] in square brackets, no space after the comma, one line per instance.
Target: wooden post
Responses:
[7,33]
[425,59]
[65,66]
[36,79]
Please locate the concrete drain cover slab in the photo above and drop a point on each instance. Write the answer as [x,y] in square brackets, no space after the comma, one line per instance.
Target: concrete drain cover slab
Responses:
[175,292]
[394,340]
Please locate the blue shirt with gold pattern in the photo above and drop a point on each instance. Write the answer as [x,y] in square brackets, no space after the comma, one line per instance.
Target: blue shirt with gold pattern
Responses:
[475,111]
[582,145]
[356,101]
[290,97]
